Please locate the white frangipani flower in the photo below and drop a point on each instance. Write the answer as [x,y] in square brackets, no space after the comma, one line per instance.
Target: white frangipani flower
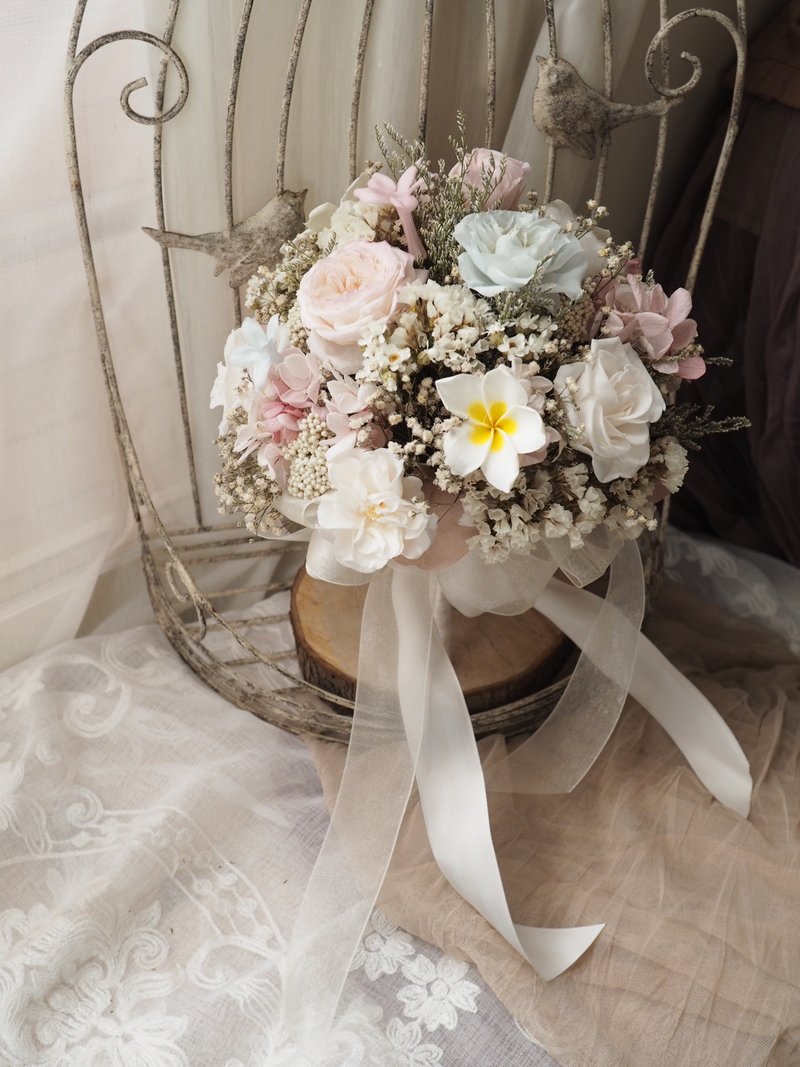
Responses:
[256,348]
[499,426]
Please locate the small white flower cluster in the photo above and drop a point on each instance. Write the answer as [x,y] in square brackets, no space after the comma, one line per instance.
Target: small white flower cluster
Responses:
[351,221]
[441,324]
[509,523]
[673,462]
[244,487]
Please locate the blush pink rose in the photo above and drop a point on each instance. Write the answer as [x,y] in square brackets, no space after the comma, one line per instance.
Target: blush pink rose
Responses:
[354,287]
[657,325]
[506,189]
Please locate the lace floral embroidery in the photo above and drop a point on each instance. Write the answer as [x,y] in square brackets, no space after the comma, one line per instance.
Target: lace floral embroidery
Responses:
[436,991]
[99,1003]
[383,948]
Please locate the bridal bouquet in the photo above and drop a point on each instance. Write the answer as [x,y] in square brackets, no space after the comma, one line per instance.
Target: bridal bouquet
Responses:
[438,357]
[439,371]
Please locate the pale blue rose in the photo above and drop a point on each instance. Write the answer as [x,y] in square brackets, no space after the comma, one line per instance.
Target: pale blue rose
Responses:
[504,249]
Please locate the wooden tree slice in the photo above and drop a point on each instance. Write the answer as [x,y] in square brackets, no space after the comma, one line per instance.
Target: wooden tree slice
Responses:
[497,658]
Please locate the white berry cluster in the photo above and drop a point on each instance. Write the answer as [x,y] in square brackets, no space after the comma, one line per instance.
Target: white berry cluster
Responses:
[307,458]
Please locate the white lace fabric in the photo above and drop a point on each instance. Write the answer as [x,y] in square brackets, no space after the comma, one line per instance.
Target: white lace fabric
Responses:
[154,845]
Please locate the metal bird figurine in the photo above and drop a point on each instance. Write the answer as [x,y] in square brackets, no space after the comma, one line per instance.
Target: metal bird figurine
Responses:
[250,244]
[572,115]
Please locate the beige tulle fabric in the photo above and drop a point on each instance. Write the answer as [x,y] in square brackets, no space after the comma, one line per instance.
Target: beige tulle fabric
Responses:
[699,963]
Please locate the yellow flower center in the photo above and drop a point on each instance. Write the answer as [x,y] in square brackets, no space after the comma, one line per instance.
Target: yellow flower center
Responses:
[490,423]
[375,511]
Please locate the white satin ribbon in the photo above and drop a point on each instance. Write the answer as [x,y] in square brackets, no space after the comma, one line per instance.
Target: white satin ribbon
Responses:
[456,813]
[411,721]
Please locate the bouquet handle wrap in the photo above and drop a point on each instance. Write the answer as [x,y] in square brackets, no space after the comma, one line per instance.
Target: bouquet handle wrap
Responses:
[411,723]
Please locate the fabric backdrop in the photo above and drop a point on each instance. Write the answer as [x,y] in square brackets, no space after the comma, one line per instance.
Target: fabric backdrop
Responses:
[67,543]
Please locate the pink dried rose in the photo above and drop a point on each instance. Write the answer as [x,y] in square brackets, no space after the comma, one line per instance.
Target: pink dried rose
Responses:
[353,288]
[506,183]
[658,326]
[380,189]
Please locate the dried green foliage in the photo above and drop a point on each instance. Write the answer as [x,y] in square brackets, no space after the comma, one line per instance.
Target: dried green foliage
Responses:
[689,423]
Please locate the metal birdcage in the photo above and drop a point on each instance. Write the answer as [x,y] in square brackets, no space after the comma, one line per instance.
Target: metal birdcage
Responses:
[180,562]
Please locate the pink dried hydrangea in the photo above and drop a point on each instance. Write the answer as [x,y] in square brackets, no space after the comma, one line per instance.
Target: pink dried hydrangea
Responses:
[347,408]
[274,414]
[658,326]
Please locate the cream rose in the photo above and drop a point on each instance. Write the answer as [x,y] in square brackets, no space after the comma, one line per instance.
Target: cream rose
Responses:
[354,287]
[372,513]
[612,397]
[503,250]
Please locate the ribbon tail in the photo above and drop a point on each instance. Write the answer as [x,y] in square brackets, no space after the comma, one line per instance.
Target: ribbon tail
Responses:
[455,809]
[567,744]
[365,822]
[553,949]
[696,727]
[679,707]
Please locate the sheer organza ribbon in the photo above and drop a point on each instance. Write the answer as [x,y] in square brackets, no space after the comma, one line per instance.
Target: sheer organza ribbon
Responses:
[411,724]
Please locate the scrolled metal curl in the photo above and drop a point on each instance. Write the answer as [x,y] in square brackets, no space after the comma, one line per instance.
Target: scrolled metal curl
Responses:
[140,83]
[738,34]
[671,92]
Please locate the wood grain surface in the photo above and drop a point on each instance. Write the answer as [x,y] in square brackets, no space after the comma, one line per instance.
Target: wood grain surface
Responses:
[497,658]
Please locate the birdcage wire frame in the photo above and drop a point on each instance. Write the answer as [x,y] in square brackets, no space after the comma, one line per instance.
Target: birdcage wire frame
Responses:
[176,559]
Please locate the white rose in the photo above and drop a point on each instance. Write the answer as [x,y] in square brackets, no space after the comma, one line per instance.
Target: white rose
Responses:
[613,398]
[503,250]
[372,513]
[348,291]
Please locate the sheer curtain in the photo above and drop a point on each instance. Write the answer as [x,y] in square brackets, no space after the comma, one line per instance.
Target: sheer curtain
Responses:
[68,554]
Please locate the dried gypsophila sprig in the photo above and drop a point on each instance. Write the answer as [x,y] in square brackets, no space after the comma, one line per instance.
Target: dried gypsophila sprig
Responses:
[447,197]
